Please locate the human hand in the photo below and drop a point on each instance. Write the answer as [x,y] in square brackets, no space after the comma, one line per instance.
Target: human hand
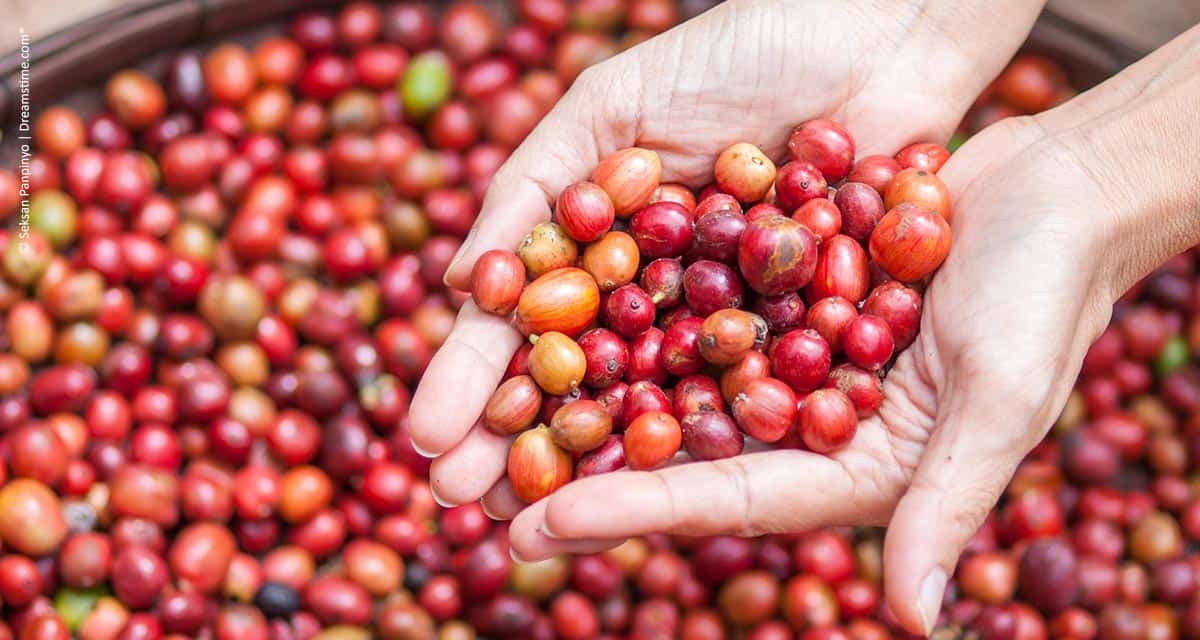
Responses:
[748,70]
[1052,221]
[1006,323]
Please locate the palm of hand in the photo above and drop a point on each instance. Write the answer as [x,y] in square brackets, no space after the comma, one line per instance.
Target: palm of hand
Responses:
[740,74]
[754,91]
[1009,310]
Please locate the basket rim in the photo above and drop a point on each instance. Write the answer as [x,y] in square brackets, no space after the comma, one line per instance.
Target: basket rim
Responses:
[53,42]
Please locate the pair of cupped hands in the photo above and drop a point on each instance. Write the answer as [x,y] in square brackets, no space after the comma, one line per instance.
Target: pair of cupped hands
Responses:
[1007,319]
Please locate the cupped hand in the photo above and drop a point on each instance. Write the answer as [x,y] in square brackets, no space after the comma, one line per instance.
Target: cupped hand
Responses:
[1006,323]
[746,71]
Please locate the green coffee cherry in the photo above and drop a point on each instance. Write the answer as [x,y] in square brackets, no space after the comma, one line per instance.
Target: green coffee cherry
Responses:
[1174,355]
[73,605]
[55,215]
[426,84]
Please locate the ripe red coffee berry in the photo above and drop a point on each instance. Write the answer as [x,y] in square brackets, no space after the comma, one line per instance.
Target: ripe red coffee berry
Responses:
[717,234]
[831,318]
[797,183]
[777,254]
[497,280]
[680,353]
[715,201]
[868,342]
[727,335]
[744,172]
[765,409]
[651,440]
[629,311]
[861,209]
[709,286]
[643,397]
[607,357]
[861,386]
[629,177]
[900,307]
[606,458]
[663,280]
[841,271]
[910,242]
[536,466]
[711,435]
[828,420]
[694,394]
[585,211]
[875,171]
[824,143]
[923,156]
[662,230]
[821,216]
[801,359]
[783,312]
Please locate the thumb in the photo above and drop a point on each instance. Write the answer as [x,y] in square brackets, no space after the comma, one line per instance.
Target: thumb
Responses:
[982,433]
[561,150]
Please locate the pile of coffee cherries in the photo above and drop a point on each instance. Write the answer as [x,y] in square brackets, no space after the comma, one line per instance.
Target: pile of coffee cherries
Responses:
[768,307]
[229,278]
[215,294]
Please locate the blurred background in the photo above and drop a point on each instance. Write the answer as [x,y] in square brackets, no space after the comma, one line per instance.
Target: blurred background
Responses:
[1140,23]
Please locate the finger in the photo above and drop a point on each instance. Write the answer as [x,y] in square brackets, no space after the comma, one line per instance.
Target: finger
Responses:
[500,502]
[460,379]
[529,543]
[747,495]
[561,150]
[466,472]
[981,435]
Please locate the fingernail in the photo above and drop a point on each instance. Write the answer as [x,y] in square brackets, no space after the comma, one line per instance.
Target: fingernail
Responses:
[513,554]
[438,499]
[932,591]
[462,250]
[489,514]
[545,530]
[423,453]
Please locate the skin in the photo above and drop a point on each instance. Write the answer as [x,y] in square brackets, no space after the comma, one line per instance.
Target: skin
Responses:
[1051,212]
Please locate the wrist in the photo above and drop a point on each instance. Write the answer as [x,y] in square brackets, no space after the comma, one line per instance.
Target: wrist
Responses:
[1139,166]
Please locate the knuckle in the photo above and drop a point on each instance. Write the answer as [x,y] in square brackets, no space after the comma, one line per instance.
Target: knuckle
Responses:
[963,505]
[735,477]
[472,353]
[973,503]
